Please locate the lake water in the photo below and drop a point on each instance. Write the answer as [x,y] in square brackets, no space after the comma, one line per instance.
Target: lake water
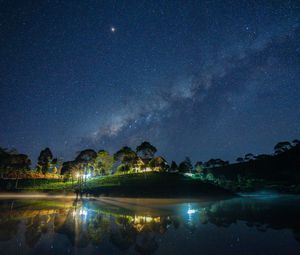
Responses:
[249,225]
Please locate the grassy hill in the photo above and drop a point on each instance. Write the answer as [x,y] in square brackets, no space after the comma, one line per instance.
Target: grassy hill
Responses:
[280,172]
[152,185]
[149,184]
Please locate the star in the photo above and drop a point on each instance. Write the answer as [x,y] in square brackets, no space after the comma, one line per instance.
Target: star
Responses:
[113,29]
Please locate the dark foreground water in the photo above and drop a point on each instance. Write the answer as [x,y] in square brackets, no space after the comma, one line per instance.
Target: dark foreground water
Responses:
[252,225]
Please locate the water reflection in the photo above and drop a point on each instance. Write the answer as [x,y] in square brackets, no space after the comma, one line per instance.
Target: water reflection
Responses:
[89,226]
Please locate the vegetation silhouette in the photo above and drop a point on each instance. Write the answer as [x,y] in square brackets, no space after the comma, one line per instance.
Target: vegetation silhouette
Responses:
[279,171]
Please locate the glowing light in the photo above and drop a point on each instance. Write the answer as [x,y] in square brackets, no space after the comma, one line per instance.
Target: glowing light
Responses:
[78,175]
[113,29]
[189,174]
[87,176]
[191,211]
[83,212]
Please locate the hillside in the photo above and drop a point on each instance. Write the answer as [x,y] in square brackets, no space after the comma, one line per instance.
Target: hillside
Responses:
[128,185]
[282,169]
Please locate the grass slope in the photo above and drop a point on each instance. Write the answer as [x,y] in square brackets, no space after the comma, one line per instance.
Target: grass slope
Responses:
[152,185]
[132,185]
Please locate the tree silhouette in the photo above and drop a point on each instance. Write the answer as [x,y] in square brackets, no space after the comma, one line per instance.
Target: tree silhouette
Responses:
[86,159]
[215,163]
[173,167]
[103,162]
[282,147]
[185,166]
[198,166]
[249,156]
[239,160]
[127,157]
[44,160]
[159,164]
[146,149]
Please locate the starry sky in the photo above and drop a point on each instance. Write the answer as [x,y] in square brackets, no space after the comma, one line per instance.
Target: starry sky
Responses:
[203,79]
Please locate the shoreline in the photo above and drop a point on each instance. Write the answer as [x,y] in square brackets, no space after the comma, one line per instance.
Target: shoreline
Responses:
[112,199]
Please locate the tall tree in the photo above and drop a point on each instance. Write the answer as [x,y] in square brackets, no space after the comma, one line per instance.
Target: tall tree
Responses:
[103,162]
[44,160]
[86,159]
[19,163]
[127,157]
[146,149]
[173,167]
[4,161]
[198,167]
[240,160]
[158,164]
[215,163]
[185,166]
[282,147]
[249,156]
[296,142]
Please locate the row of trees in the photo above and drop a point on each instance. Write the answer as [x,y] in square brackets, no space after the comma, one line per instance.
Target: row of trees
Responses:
[12,161]
[279,148]
[91,162]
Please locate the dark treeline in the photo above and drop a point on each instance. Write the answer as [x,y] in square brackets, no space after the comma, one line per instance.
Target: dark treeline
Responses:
[282,165]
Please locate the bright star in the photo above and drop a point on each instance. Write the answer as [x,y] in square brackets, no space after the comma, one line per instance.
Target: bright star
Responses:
[113,29]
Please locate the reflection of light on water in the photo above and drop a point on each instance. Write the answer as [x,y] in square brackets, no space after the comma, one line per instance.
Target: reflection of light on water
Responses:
[74,213]
[191,213]
[139,222]
[146,219]
[83,212]
[260,195]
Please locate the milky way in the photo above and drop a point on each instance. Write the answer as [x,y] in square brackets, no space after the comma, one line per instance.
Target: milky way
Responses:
[195,78]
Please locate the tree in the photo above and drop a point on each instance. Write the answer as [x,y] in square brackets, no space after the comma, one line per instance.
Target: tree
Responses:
[240,160]
[56,165]
[11,161]
[85,156]
[282,147]
[158,164]
[19,163]
[215,163]
[127,157]
[71,169]
[4,161]
[263,157]
[146,150]
[185,166]
[249,156]
[173,167]
[86,160]
[44,160]
[103,162]
[198,167]
[296,142]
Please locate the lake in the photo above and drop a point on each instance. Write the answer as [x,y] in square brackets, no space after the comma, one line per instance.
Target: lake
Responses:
[247,225]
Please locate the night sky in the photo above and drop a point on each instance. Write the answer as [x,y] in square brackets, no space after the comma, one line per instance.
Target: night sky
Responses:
[203,79]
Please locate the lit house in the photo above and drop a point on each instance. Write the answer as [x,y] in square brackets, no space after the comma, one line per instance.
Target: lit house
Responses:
[157,164]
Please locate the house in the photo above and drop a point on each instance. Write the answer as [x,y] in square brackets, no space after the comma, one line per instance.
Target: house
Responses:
[156,164]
